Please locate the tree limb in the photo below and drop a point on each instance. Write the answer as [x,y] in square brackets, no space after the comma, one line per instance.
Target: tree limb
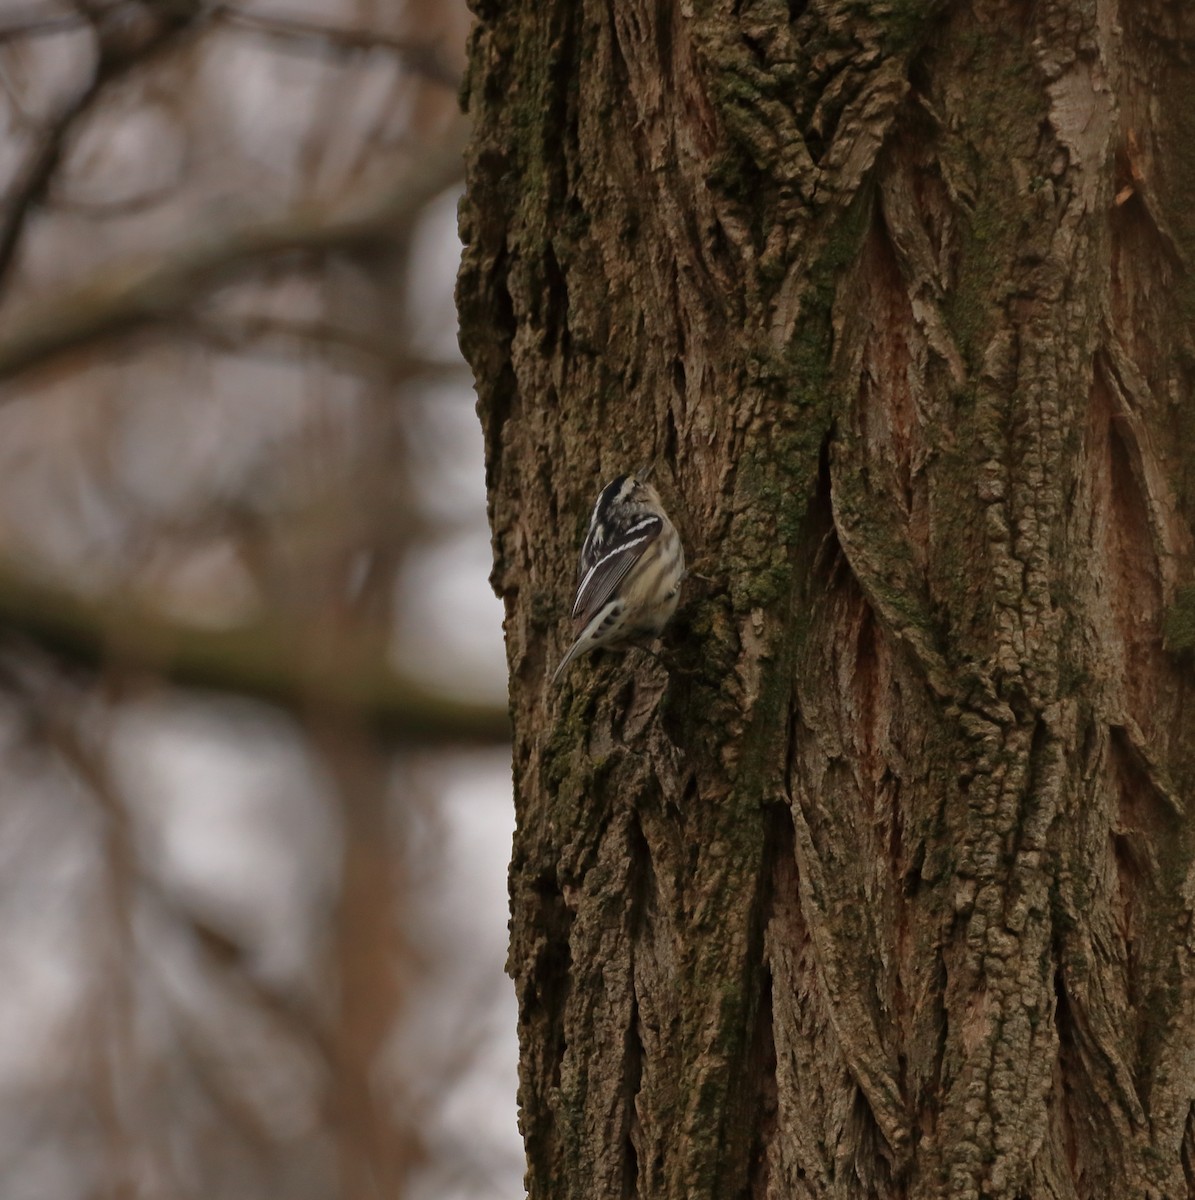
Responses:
[420,56]
[124,297]
[38,22]
[299,668]
[121,47]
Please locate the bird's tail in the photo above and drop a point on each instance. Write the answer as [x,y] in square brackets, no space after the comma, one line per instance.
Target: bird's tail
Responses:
[573,651]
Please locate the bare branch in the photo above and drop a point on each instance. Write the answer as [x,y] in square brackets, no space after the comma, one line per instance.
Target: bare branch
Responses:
[298,668]
[270,336]
[122,46]
[36,172]
[422,57]
[126,297]
[59,724]
[38,22]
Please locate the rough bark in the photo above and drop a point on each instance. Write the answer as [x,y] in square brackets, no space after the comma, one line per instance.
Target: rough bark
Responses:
[881,886]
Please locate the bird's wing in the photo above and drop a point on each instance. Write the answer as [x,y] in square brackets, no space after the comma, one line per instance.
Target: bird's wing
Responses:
[603,577]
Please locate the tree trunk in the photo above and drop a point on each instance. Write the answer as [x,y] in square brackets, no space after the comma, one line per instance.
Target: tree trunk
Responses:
[881,884]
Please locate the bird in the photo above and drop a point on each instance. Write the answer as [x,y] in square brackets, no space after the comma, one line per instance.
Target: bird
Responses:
[631,569]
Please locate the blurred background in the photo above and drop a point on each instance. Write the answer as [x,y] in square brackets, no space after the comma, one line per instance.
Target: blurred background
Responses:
[255,804]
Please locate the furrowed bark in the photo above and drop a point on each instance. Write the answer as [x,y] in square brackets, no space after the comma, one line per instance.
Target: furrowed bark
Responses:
[882,885]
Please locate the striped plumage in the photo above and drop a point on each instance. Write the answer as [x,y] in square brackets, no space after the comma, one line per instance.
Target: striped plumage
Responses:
[632,565]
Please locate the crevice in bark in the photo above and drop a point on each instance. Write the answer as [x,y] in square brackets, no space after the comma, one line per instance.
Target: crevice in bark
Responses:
[765,1124]
[866,680]
[1132,554]
[543,1003]
[796,9]
[1037,787]
[666,13]
[1066,1071]
[626,35]
[633,1056]
[1146,801]
[671,437]
[641,879]
[1187,1152]
[800,1160]
[559,129]
[877,468]
[867,1154]
[744,1132]
[762,1106]
[552,978]
[555,293]
[844,818]
[1097,1074]
[642,884]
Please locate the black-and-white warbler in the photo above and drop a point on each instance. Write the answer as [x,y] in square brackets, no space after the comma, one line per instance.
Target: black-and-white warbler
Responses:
[632,565]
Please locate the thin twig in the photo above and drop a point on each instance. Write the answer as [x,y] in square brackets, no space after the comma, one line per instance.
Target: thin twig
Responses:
[116,59]
[37,171]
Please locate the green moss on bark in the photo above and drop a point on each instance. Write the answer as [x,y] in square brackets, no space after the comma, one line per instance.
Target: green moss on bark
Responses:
[1180,622]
